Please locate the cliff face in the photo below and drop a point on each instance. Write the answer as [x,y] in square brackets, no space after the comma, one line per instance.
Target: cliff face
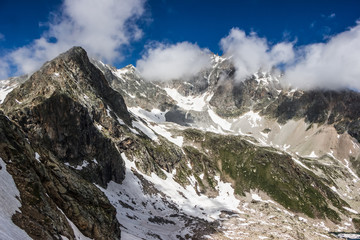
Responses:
[52,196]
[57,108]
[54,129]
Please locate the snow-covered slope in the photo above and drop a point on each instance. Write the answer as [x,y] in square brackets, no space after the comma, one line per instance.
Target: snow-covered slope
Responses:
[202,103]
[9,204]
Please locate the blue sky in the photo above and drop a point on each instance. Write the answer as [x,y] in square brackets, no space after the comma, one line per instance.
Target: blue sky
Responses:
[39,30]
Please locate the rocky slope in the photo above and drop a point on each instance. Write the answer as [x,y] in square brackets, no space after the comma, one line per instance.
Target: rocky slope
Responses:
[93,150]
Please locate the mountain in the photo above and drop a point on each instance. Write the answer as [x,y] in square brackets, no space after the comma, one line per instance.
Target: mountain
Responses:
[91,151]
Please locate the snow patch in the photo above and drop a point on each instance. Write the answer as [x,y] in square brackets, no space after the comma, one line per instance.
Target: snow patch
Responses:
[146,130]
[256,197]
[190,102]
[166,134]
[356,178]
[4,92]
[312,155]
[351,210]
[223,123]
[98,126]
[37,157]
[9,205]
[155,115]
[253,118]
[83,165]
[300,163]
[78,234]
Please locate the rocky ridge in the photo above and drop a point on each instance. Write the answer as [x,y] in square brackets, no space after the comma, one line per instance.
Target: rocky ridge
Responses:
[184,158]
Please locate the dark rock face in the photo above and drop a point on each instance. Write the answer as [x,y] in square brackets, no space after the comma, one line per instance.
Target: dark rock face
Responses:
[48,190]
[324,107]
[53,115]
[58,109]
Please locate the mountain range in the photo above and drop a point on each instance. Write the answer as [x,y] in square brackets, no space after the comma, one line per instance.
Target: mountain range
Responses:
[89,151]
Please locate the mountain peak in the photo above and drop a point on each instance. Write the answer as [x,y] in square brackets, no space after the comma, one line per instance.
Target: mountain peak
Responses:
[70,73]
[75,51]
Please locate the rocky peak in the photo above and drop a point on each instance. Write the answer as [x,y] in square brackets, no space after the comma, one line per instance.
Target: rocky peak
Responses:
[72,74]
[63,106]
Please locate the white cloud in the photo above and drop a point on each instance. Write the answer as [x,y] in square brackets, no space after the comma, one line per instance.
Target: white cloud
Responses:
[4,69]
[282,53]
[250,53]
[166,62]
[331,65]
[2,37]
[103,28]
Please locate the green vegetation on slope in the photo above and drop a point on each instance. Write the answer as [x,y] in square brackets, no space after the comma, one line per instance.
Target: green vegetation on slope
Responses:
[252,167]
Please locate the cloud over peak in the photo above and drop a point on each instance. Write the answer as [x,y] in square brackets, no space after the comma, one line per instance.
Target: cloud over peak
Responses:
[334,64]
[164,62]
[103,28]
[250,53]
[331,65]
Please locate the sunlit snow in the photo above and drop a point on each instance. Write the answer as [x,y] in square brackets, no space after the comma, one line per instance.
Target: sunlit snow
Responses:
[190,102]
[9,204]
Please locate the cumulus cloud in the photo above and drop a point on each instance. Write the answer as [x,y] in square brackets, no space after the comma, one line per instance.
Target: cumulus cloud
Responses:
[331,65]
[164,62]
[251,53]
[103,28]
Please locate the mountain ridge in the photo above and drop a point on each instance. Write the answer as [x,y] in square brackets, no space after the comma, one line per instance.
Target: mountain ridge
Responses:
[133,141]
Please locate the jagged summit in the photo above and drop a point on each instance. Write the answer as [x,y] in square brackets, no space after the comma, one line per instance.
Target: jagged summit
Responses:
[72,74]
